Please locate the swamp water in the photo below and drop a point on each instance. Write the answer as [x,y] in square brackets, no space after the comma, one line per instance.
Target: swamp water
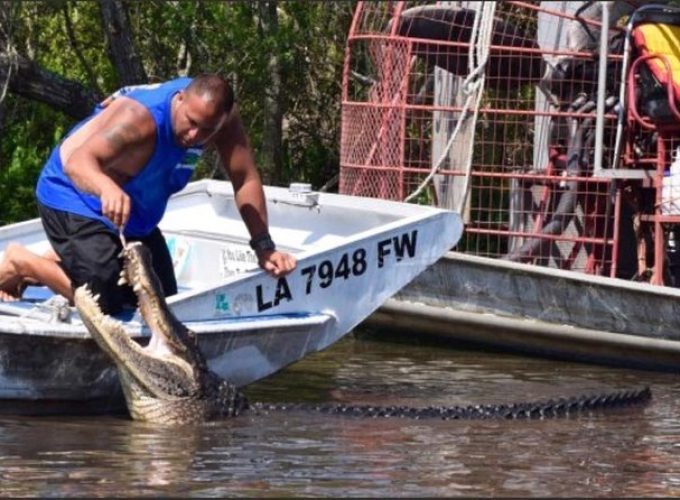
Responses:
[625,452]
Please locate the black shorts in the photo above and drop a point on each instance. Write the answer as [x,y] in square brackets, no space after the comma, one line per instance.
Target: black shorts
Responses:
[89,253]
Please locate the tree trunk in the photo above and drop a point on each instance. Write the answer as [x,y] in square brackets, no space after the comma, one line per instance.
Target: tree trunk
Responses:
[272,137]
[71,35]
[29,80]
[121,47]
[22,76]
[5,44]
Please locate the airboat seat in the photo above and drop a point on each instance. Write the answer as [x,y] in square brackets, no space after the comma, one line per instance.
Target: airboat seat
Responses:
[515,57]
[656,37]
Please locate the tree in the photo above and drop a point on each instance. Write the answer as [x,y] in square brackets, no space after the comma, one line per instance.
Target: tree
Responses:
[59,57]
[271,151]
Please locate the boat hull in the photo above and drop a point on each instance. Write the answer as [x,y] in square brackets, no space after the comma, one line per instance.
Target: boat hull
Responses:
[542,311]
[70,373]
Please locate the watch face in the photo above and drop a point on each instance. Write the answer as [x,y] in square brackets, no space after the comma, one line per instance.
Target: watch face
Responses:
[267,244]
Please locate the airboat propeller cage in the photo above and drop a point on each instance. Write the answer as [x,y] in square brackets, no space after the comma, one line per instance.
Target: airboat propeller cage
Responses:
[532,166]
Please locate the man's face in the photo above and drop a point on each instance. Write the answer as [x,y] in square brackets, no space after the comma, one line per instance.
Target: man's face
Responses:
[195,119]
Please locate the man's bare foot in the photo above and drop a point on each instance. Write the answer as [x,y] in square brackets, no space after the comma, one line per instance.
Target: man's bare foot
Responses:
[14,293]
[20,267]
[6,297]
[12,283]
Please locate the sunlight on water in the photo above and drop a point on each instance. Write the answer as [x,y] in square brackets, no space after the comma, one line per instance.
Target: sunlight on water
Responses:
[628,452]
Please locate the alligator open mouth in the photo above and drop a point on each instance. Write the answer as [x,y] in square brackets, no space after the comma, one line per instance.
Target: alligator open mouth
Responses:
[167,381]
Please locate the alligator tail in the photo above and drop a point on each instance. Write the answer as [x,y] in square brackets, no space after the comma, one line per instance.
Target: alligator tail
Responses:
[562,407]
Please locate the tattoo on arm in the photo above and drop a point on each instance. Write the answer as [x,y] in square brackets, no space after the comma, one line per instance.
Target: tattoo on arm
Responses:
[118,136]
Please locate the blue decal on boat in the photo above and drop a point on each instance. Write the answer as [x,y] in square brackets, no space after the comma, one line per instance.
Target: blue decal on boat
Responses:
[222,303]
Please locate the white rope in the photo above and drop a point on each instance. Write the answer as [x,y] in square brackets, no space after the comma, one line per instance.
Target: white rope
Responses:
[473,88]
[482,46]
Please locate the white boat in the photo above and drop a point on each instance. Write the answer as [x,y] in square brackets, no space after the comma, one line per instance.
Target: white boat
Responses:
[353,254]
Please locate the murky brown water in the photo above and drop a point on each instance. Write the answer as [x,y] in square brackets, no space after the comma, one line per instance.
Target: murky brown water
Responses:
[631,452]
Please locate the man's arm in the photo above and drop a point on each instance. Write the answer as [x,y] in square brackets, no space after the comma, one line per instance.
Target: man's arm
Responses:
[233,147]
[237,159]
[105,152]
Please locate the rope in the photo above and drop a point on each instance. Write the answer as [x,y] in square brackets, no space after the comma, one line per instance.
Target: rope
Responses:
[57,306]
[473,88]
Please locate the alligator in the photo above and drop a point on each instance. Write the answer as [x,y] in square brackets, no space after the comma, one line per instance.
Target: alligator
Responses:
[168,381]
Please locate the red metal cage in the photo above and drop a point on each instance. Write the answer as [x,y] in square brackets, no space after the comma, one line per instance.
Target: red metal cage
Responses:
[529,118]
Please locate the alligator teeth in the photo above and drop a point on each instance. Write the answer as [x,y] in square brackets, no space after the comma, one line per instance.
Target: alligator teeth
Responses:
[111,323]
[122,280]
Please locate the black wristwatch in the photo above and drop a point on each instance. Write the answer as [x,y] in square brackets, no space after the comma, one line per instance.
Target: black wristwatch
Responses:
[262,242]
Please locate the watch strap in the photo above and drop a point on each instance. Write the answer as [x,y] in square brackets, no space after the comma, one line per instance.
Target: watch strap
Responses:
[262,243]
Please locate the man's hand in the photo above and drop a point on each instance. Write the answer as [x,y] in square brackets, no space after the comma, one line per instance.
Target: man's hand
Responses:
[115,204]
[276,263]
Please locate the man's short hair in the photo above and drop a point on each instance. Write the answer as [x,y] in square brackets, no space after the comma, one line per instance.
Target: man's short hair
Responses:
[213,87]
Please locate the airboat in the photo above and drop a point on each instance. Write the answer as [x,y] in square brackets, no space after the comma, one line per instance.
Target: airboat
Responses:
[553,129]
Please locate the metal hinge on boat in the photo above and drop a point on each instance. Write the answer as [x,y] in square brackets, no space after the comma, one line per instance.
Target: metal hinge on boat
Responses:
[59,308]
[300,194]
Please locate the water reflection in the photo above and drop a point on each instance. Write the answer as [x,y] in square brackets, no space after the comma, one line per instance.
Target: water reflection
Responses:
[629,452]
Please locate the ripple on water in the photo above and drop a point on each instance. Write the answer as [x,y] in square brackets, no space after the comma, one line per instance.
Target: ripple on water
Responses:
[629,452]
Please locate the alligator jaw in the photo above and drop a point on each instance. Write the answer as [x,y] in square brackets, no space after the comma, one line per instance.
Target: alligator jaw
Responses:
[167,381]
[146,367]
[165,328]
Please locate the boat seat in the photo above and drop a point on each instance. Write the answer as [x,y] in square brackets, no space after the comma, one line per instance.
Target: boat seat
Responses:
[656,38]
[34,294]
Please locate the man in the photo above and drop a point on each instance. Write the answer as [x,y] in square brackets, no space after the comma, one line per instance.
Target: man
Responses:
[113,175]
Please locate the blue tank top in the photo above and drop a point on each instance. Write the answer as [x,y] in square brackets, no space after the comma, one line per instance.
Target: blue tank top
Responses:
[167,171]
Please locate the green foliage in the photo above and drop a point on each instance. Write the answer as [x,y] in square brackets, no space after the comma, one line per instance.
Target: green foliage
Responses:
[25,145]
[228,38]
[175,38]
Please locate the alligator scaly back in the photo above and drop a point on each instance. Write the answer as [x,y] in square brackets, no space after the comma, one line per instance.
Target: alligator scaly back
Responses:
[169,381]
[563,407]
